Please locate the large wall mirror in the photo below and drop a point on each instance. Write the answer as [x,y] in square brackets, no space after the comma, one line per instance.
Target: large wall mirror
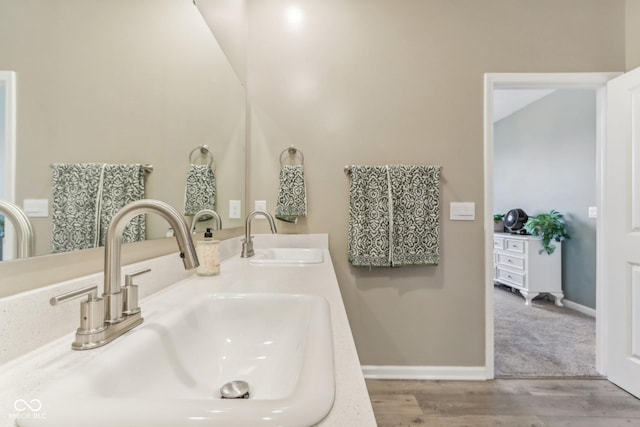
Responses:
[122,82]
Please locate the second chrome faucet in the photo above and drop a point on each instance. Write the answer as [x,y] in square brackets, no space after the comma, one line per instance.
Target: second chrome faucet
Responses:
[247,242]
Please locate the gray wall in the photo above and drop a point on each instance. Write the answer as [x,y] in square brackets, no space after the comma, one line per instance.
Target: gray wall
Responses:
[401,81]
[544,158]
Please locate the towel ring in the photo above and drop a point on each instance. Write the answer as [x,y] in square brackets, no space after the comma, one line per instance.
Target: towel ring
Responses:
[204,151]
[292,151]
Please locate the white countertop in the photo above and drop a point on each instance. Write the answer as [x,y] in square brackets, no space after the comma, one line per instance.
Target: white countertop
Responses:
[27,376]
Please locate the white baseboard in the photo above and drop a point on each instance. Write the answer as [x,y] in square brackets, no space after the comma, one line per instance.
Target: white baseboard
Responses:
[579,308]
[424,372]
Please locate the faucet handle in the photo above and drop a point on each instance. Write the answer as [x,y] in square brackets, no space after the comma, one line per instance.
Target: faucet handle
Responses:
[90,291]
[128,278]
[130,293]
[91,310]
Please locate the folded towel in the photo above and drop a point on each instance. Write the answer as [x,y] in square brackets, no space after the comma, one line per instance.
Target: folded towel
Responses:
[75,206]
[394,215]
[121,185]
[416,214]
[369,217]
[292,194]
[200,192]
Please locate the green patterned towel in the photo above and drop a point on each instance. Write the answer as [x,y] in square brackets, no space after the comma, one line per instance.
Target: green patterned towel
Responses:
[200,192]
[369,218]
[416,214]
[292,194]
[75,206]
[86,196]
[394,215]
[122,184]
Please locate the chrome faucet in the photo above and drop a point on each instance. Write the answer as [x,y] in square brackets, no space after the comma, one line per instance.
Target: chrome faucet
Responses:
[24,230]
[105,319]
[204,212]
[247,243]
[113,244]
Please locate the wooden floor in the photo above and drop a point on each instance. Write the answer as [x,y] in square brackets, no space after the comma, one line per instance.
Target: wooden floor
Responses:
[504,402]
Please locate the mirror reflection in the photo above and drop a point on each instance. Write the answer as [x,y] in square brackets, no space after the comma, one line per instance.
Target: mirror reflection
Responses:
[120,86]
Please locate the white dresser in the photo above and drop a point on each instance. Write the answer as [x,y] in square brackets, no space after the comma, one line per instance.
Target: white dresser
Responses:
[517,262]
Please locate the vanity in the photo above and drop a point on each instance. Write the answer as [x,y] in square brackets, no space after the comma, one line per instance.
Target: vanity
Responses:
[288,291]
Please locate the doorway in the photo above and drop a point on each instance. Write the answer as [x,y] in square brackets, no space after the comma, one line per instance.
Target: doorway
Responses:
[7,157]
[592,81]
[544,161]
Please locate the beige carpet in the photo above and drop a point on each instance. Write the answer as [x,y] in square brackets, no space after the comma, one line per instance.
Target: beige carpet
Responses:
[542,340]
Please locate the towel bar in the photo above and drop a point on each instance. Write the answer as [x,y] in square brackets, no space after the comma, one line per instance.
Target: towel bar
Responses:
[148,168]
[347,170]
[292,151]
[204,151]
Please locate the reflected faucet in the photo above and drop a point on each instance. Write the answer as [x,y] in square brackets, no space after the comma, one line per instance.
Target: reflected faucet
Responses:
[24,230]
[204,212]
[104,319]
[247,243]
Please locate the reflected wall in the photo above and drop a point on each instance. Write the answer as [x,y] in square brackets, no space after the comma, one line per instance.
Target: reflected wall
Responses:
[141,81]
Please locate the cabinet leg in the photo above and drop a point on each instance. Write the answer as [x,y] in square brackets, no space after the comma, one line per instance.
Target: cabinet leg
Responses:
[558,297]
[528,297]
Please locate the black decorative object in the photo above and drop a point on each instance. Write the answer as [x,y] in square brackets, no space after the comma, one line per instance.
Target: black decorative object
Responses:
[514,221]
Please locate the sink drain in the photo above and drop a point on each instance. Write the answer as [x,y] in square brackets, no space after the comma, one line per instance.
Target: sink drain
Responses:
[235,390]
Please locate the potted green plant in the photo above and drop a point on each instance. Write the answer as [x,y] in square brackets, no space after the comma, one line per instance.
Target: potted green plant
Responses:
[550,227]
[498,223]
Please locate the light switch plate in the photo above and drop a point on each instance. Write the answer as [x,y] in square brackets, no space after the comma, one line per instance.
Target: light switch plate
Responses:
[36,208]
[235,209]
[462,211]
[593,212]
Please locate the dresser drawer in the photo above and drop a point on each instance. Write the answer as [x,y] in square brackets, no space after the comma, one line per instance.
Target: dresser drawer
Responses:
[510,260]
[515,246]
[498,242]
[511,277]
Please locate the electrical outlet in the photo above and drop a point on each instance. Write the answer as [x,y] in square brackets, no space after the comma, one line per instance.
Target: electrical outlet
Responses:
[235,207]
[260,205]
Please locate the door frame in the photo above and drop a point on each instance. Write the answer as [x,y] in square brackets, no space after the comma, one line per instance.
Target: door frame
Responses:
[8,78]
[597,82]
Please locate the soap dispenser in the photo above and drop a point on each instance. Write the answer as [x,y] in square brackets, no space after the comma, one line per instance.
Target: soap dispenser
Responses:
[208,251]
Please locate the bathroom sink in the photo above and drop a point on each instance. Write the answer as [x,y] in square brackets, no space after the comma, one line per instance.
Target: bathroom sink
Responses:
[169,371]
[284,256]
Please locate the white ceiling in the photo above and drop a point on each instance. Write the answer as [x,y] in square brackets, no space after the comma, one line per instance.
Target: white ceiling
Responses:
[508,101]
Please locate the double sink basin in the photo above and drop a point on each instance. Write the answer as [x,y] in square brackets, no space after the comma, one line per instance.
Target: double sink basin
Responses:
[169,371]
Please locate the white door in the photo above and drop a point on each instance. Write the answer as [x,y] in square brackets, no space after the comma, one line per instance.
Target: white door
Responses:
[622,231]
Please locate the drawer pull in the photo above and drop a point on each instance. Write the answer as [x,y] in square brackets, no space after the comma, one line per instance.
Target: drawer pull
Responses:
[509,260]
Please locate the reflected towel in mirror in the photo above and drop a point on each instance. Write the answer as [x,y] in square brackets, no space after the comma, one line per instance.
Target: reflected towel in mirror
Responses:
[122,184]
[292,194]
[85,198]
[200,192]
